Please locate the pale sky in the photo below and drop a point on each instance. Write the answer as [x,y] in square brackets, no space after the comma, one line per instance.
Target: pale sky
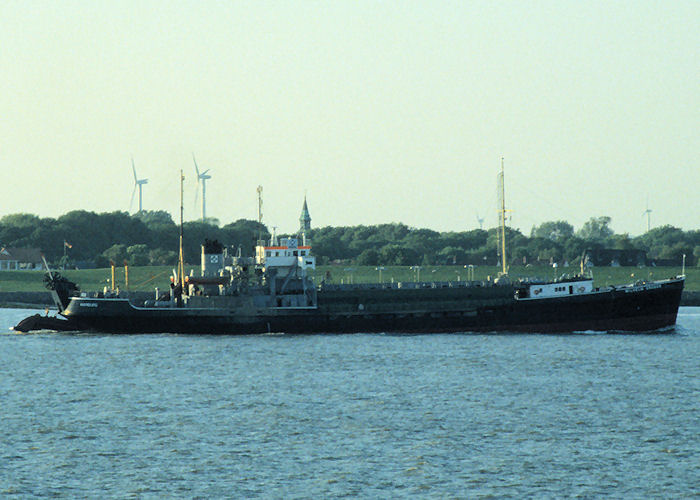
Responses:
[379,111]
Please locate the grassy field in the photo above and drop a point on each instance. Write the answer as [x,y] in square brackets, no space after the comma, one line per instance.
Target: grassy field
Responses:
[147,278]
[602,276]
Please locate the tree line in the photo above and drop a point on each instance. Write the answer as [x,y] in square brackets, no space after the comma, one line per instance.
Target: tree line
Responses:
[152,238]
[550,242]
[146,238]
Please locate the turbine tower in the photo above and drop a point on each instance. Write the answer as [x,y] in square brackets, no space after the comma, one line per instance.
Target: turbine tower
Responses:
[138,183]
[203,178]
[647,212]
[480,220]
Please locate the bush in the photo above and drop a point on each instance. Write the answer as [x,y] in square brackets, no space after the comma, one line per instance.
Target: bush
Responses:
[160,257]
[137,255]
[116,253]
[369,257]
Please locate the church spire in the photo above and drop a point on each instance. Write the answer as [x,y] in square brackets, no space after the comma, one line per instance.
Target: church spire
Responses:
[304,218]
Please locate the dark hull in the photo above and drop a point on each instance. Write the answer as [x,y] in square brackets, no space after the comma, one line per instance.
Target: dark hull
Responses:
[38,322]
[639,309]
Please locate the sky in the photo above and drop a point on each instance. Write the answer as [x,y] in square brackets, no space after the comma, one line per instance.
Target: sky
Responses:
[378,112]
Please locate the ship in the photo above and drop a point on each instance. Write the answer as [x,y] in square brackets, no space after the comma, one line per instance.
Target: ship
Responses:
[273,292]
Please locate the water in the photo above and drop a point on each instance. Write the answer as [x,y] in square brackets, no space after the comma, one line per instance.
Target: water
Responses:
[429,416]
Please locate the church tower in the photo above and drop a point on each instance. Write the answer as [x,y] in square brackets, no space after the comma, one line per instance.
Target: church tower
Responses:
[304,219]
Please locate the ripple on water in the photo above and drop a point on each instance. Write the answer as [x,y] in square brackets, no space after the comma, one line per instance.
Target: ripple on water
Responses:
[344,415]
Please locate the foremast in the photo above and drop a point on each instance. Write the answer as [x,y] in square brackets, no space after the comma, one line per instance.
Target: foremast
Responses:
[181,258]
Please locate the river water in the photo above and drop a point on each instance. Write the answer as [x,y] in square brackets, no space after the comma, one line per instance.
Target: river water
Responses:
[428,416]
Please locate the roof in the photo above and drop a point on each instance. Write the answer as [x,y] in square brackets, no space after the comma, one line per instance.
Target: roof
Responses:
[20,254]
[305,212]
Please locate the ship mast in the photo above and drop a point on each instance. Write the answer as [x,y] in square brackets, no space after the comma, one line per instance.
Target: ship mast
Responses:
[502,217]
[181,260]
[260,214]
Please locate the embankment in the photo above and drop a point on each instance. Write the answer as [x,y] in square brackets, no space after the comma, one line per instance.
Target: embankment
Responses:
[26,300]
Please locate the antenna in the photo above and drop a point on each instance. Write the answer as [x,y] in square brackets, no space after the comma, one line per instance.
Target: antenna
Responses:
[138,183]
[502,216]
[260,215]
[201,177]
[480,220]
[647,212]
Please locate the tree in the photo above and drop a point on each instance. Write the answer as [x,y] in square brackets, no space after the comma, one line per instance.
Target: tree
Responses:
[468,240]
[574,248]
[160,257]
[452,255]
[20,220]
[554,230]
[80,229]
[116,253]
[596,230]
[138,255]
[621,242]
[659,241]
[544,250]
[16,229]
[91,233]
[152,237]
[675,252]
[396,255]
[327,243]
[393,232]
[154,218]
[50,237]
[423,241]
[244,234]
[370,257]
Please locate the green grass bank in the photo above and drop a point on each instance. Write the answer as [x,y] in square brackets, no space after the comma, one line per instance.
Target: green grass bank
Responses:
[148,277]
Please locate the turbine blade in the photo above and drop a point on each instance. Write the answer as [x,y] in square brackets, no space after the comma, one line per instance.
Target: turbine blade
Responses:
[133,193]
[195,164]
[136,179]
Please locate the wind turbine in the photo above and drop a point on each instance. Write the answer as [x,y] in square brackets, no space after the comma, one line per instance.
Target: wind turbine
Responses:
[480,220]
[137,183]
[647,212]
[203,178]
